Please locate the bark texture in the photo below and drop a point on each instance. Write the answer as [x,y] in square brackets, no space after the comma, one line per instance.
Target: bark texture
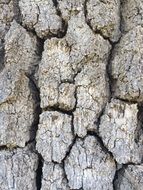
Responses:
[71,95]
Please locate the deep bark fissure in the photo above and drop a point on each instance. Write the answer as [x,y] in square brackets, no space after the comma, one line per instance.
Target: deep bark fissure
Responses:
[2,55]
[39,172]
[35,91]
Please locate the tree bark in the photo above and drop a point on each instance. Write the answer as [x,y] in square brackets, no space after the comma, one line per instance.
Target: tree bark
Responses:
[71,95]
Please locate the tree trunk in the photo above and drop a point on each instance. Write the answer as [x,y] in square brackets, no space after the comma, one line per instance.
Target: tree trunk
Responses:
[71,94]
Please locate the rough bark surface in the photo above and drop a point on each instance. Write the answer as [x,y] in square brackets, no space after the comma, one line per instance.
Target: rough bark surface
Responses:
[71,95]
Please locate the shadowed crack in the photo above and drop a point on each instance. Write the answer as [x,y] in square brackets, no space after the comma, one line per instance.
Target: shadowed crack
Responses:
[36,95]
[111,81]
[99,139]
[62,33]
[67,154]
[57,109]
[116,176]
[39,172]
[2,56]
[38,111]
[9,147]
[17,11]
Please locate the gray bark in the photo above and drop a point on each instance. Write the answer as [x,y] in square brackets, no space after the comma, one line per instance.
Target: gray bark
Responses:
[71,95]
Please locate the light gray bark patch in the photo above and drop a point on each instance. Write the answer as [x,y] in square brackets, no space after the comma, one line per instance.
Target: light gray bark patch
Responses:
[18,169]
[54,135]
[53,177]
[42,17]
[17,107]
[127,66]
[118,128]
[132,14]
[88,166]
[7,14]
[21,51]
[104,18]
[17,100]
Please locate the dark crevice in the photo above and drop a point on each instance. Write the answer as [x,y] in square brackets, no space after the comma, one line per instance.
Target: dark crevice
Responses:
[39,51]
[65,175]
[98,121]
[35,91]
[57,109]
[70,148]
[17,12]
[139,129]
[72,125]
[36,96]
[39,172]
[85,9]
[130,164]
[53,161]
[140,113]
[67,81]
[33,131]
[122,25]
[76,100]
[111,81]
[55,2]
[37,110]
[104,148]
[121,170]
[3,147]
[127,100]
[60,33]
[8,147]
[121,18]
[40,45]
[33,85]
[30,30]
[2,55]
